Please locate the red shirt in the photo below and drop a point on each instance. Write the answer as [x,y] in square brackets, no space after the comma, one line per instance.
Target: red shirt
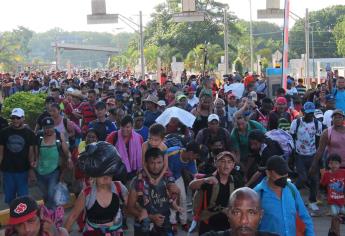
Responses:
[335,183]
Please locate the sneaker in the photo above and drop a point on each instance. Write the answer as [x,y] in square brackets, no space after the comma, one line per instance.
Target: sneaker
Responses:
[174,228]
[193,226]
[313,206]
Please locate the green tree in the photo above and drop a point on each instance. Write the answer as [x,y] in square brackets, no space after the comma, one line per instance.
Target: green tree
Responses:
[324,40]
[238,66]
[339,34]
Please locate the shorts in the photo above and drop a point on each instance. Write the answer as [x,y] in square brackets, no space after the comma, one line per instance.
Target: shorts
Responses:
[336,210]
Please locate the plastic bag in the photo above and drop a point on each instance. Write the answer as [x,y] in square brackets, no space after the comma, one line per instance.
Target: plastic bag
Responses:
[100,159]
[61,196]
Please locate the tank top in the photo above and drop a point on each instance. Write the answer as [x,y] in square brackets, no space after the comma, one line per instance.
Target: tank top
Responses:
[99,215]
[62,130]
[49,158]
[336,145]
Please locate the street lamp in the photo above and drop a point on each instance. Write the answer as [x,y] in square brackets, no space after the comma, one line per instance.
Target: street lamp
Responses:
[251,37]
[312,45]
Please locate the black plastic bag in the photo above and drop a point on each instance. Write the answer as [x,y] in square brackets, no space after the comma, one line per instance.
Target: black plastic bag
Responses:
[101,159]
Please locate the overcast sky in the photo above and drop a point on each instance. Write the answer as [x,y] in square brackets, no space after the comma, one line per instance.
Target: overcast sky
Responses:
[42,15]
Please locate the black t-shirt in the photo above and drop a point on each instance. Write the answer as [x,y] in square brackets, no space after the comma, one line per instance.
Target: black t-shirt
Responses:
[228,233]
[223,195]
[3,123]
[16,144]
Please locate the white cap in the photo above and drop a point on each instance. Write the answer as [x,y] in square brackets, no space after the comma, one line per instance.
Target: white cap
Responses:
[213,117]
[161,103]
[70,90]
[18,112]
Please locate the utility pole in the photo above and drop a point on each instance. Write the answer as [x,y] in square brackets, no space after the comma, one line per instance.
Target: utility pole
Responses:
[312,50]
[142,61]
[307,53]
[251,38]
[226,43]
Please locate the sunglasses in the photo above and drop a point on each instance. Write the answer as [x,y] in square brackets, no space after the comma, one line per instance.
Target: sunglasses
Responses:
[15,118]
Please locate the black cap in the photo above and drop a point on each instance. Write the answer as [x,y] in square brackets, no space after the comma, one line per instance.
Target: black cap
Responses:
[100,105]
[277,164]
[48,122]
[22,209]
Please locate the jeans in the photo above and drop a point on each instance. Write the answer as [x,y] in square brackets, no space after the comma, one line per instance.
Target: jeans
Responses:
[15,185]
[47,184]
[303,164]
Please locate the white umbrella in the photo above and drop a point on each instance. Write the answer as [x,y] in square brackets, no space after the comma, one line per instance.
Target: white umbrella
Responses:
[184,116]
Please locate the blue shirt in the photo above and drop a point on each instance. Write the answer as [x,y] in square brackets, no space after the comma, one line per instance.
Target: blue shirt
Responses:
[339,99]
[144,132]
[176,164]
[103,128]
[150,117]
[280,214]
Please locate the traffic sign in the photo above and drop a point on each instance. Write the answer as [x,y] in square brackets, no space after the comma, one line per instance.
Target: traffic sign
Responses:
[189,17]
[271,14]
[277,56]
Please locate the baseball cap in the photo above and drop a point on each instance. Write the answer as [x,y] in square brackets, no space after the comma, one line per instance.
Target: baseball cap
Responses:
[100,105]
[309,107]
[48,122]
[330,97]
[277,164]
[179,97]
[318,114]
[281,100]
[213,117]
[17,112]
[225,154]
[338,112]
[22,209]
[161,103]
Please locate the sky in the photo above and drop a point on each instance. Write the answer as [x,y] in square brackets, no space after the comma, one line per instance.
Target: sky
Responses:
[70,15]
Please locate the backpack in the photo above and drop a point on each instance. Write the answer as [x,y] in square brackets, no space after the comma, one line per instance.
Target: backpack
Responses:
[57,141]
[284,139]
[204,208]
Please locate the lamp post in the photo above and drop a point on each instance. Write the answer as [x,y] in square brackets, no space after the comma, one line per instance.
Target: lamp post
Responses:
[251,37]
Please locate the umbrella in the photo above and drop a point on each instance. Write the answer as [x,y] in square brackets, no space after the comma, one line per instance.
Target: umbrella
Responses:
[185,117]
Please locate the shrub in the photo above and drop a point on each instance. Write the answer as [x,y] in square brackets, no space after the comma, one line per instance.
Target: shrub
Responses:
[32,104]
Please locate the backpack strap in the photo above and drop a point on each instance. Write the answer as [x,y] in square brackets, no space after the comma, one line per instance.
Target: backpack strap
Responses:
[335,93]
[298,123]
[329,134]
[119,190]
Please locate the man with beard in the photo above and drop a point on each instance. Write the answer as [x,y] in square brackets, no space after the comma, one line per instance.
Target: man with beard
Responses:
[150,203]
[244,215]
[16,156]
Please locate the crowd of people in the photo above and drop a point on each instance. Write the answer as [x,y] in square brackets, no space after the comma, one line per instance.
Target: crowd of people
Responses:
[147,149]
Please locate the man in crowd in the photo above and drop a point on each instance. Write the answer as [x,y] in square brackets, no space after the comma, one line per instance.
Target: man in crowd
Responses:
[281,201]
[244,215]
[149,203]
[306,132]
[16,156]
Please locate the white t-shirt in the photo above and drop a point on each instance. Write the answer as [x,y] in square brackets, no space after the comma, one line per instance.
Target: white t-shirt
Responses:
[327,118]
[306,133]
[194,101]
[291,91]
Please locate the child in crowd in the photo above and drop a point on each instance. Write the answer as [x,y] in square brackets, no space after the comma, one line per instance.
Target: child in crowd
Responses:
[155,140]
[334,180]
